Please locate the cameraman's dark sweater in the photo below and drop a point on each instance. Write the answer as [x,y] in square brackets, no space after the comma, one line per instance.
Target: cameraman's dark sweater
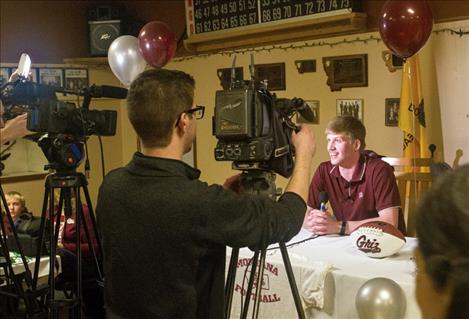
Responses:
[164,235]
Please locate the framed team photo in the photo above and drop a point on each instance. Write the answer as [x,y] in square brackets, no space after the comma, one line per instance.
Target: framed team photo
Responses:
[51,76]
[350,107]
[76,79]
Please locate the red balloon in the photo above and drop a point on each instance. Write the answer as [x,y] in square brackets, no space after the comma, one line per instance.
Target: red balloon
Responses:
[157,43]
[405,26]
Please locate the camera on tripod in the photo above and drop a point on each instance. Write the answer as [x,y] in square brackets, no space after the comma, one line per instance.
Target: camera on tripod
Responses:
[62,127]
[254,127]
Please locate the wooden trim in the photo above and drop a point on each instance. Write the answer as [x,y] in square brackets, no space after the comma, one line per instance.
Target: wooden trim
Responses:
[22,178]
[284,31]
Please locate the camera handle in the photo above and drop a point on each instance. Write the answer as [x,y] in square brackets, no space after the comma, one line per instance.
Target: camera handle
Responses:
[258,182]
[68,183]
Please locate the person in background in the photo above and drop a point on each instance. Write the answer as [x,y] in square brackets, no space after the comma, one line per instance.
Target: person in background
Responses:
[360,186]
[442,255]
[23,220]
[164,232]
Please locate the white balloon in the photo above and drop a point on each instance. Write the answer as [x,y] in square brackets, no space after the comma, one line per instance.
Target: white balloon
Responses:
[380,298]
[125,59]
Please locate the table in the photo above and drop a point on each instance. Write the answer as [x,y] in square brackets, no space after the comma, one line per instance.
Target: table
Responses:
[43,268]
[344,270]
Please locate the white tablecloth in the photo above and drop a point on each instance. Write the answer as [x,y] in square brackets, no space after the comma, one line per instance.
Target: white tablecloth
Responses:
[43,268]
[350,269]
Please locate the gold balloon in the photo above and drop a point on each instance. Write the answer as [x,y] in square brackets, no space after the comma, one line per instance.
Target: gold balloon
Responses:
[380,298]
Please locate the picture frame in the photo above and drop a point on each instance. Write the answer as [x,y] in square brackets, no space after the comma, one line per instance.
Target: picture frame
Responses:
[346,71]
[33,75]
[76,79]
[4,75]
[391,111]
[51,76]
[350,107]
[224,75]
[392,61]
[314,105]
[273,73]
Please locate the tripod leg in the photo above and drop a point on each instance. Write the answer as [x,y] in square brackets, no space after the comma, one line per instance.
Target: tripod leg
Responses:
[291,280]
[95,253]
[260,277]
[245,308]
[230,281]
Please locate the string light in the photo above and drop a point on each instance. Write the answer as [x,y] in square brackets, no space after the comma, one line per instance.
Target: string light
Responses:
[271,48]
[320,43]
[461,33]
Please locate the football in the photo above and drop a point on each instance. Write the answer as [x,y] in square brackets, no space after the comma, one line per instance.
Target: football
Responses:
[377,239]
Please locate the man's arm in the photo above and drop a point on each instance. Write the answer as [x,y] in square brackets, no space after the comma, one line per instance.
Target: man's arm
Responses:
[14,128]
[322,223]
[389,215]
[305,146]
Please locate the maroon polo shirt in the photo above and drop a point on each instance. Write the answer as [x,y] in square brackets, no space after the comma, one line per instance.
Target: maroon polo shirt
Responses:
[372,188]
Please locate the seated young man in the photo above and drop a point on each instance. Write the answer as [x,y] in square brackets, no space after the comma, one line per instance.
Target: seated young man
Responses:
[360,186]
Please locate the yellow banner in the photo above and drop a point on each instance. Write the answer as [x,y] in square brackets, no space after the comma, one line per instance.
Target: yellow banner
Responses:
[412,110]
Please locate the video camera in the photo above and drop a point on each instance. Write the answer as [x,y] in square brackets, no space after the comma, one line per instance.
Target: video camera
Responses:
[62,127]
[254,127]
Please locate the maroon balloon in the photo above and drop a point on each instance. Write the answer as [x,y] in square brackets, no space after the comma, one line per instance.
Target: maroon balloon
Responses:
[405,26]
[157,43]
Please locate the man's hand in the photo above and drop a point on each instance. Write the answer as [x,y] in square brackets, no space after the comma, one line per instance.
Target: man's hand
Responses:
[233,183]
[320,223]
[304,141]
[14,128]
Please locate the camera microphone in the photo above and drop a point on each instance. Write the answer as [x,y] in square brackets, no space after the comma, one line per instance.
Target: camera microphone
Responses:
[323,198]
[113,92]
[308,115]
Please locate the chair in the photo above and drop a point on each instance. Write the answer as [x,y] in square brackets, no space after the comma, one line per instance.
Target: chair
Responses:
[413,178]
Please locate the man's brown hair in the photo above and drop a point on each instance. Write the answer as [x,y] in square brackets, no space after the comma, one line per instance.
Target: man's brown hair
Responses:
[155,100]
[350,126]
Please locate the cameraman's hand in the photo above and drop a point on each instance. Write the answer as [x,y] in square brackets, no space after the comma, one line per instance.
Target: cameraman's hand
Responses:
[14,128]
[304,141]
[233,183]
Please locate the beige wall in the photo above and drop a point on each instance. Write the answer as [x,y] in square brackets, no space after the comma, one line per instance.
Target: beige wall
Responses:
[310,86]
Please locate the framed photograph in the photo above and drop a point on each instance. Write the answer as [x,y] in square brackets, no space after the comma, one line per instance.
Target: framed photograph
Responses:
[273,73]
[51,76]
[346,71]
[350,107]
[4,75]
[225,76]
[314,107]
[391,111]
[76,79]
[33,75]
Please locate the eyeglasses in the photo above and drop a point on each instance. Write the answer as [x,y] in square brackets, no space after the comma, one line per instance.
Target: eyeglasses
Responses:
[197,112]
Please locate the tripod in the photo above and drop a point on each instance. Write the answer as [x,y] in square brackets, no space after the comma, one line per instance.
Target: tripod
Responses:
[258,182]
[67,182]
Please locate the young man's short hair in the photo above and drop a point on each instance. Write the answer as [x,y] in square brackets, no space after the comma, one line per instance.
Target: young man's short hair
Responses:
[18,196]
[350,126]
[154,101]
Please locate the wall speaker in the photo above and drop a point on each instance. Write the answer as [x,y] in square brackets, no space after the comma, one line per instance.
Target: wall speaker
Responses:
[102,33]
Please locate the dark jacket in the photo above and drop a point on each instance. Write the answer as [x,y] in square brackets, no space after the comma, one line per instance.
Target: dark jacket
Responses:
[164,235]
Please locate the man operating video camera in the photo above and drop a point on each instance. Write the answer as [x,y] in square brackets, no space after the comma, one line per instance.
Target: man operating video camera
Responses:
[164,232]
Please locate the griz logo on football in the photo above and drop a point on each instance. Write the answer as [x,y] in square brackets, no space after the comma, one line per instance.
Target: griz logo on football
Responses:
[368,246]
